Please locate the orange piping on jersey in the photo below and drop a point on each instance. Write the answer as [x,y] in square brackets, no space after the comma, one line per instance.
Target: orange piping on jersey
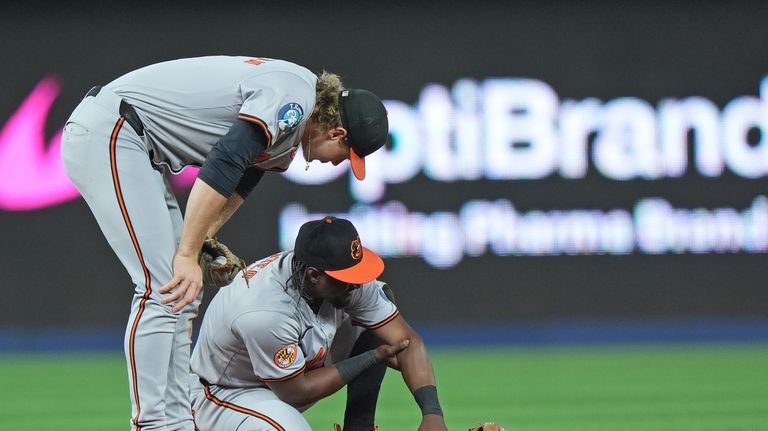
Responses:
[317,361]
[288,377]
[139,254]
[244,410]
[380,324]
[260,122]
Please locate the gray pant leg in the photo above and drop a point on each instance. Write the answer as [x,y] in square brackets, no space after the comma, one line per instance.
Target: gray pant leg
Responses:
[130,208]
[177,405]
[248,409]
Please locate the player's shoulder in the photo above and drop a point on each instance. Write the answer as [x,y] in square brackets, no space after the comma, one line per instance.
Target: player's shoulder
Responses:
[371,291]
[263,286]
[269,317]
[264,317]
[374,286]
[267,283]
[276,64]
[274,269]
[287,66]
[275,71]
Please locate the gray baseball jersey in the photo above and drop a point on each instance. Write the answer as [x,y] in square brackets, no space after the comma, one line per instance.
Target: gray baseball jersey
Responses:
[187,105]
[260,332]
[184,107]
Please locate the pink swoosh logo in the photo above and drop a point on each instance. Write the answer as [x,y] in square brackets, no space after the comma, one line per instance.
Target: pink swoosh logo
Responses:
[32,175]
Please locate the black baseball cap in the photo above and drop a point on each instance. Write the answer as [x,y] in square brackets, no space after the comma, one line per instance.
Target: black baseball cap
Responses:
[332,245]
[365,118]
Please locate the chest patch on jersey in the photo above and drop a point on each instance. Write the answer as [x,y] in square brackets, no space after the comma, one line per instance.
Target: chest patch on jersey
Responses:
[286,356]
[289,116]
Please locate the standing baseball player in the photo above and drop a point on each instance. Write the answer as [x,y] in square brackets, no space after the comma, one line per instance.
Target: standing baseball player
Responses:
[236,117]
[271,346]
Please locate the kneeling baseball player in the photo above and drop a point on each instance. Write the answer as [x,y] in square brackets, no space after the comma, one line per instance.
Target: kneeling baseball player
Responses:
[274,342]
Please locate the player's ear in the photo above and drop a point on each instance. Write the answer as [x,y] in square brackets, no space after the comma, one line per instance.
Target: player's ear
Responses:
[338,133]
[313,274]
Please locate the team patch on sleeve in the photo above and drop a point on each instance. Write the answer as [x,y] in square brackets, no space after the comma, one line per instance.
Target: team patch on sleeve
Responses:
[289,116]
[286,356]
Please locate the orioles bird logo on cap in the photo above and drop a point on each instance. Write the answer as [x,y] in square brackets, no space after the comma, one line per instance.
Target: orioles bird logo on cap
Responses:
[356,249]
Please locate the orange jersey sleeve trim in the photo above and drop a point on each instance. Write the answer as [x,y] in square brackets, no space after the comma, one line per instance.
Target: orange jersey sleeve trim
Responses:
[260,122]
[288,377]
[380,324]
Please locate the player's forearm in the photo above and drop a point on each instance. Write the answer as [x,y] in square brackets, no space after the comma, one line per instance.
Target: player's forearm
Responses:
[314,386]
[203,207]
[420,378]
[415,364]
[233,203]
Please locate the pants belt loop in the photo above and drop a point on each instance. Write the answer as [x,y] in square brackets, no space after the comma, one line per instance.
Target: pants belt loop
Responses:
[126,110]
[93,91]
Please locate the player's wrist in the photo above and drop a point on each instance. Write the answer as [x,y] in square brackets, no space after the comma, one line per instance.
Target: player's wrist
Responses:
[352,367]
[426,398]
[183,254]
[189,249]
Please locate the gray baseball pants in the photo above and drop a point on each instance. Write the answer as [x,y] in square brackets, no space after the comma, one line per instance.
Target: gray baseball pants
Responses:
[108,161]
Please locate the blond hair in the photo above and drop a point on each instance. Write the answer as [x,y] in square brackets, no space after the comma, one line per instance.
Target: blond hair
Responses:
[326,113]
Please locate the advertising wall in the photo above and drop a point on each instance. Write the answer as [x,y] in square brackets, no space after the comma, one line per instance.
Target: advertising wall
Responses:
[549,160]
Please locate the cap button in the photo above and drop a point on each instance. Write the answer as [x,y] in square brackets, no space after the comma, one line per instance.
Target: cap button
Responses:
[329,220]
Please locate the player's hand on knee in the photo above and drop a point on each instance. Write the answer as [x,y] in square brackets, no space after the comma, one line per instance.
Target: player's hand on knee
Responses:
[384,352]
[186,283]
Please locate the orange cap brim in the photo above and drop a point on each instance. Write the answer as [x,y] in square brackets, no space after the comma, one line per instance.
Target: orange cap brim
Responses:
[358,165]
[369,267]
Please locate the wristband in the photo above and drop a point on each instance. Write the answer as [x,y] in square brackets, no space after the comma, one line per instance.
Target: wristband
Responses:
[426,398]
[352,367]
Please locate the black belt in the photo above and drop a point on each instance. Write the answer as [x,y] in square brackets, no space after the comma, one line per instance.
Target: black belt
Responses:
[126,111]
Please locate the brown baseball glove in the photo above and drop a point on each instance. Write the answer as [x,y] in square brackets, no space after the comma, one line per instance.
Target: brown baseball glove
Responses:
[488,426]
[220,266]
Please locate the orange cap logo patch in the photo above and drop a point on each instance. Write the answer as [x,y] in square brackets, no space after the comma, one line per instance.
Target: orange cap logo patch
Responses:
[356,249]
[286,356]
